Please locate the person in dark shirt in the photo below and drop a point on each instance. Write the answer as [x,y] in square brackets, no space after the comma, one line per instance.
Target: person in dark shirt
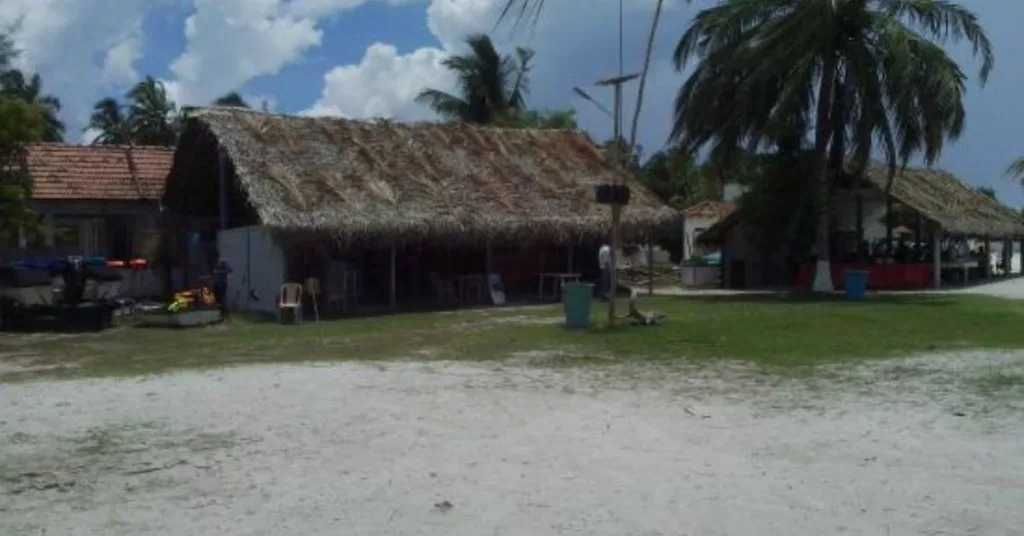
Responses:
[220,284]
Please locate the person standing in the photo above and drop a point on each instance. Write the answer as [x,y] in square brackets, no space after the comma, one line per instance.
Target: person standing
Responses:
[221,270]
[604,263]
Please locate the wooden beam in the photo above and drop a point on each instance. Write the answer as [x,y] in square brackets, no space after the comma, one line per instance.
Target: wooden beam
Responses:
[937,257]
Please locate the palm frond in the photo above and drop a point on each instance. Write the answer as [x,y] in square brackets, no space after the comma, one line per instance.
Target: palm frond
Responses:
[1016,170]
[444,104]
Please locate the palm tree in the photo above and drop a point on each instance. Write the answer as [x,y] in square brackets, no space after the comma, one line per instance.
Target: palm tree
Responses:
[490,85]
[109,119]
[532,9]
[231,100]
[14,84]
[853,73]
[1016,170]
[151,113]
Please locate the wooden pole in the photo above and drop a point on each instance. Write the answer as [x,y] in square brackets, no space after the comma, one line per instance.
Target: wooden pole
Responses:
[391,287]
[918,232]
[650,268]
[860,217]
[48,229]
[623,160]
[616,208]
[988,260]
[937,258]
[888,226]
[488,257]
[222,183]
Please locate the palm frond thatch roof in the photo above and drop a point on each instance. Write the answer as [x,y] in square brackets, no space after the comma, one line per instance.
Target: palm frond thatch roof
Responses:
[357,179]
[955,205]
[938,195]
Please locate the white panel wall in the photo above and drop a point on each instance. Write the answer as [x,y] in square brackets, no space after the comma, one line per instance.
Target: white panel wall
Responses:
[693,227]
[258,265]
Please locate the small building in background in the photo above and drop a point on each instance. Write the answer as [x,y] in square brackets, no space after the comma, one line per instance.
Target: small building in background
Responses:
[94,201]
[700,218]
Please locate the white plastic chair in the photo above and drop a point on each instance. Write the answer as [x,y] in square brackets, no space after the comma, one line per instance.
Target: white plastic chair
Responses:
[290,297]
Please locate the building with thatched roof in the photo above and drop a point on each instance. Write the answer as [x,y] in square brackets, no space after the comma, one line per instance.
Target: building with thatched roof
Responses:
[363,188]
[931,207]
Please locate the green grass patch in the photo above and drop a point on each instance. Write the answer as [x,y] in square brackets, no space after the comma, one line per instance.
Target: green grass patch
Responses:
[769,330]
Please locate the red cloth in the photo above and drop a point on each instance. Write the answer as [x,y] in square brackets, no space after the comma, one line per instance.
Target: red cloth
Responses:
[880,276]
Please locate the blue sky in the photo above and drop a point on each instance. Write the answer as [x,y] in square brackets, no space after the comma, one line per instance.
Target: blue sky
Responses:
[362,58]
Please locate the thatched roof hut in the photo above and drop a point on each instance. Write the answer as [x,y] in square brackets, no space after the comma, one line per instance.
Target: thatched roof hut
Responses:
[955,205]
[385,180]
[939,196]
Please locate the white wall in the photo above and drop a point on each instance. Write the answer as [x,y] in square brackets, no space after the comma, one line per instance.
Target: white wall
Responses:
[639,258]
[700,276]
[258,265]
[693,227]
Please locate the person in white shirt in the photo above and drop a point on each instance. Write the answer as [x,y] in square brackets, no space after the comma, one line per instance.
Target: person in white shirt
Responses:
[604,262]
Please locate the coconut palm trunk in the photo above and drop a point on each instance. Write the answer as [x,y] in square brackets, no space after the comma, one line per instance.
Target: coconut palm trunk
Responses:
[643,75]
[823,187]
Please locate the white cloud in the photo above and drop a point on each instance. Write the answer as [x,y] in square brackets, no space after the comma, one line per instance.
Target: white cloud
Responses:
[233,41]
[62,39]
[572,50]
[230,42]
[383,84]
[119,63]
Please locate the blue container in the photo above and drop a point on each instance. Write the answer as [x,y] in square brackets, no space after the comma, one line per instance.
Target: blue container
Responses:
[856,284]
[577,298]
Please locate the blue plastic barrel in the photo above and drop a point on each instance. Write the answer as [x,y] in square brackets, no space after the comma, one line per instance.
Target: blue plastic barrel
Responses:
[577,298]
[856,284]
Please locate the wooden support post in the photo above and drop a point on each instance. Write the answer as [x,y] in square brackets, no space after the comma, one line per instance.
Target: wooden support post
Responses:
[488,257]
[650,268]
[918,231]
[1005,256]
[888,226]
[614,279]
[391,287]
[570,254]
[48,229]
[937,258]
[988,260]
[222,184]
[860,218]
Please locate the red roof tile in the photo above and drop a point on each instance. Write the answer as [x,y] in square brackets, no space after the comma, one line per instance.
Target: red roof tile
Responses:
[63,172]
[710,209]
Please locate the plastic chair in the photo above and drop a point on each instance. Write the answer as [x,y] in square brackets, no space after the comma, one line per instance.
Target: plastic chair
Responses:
[290,297]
